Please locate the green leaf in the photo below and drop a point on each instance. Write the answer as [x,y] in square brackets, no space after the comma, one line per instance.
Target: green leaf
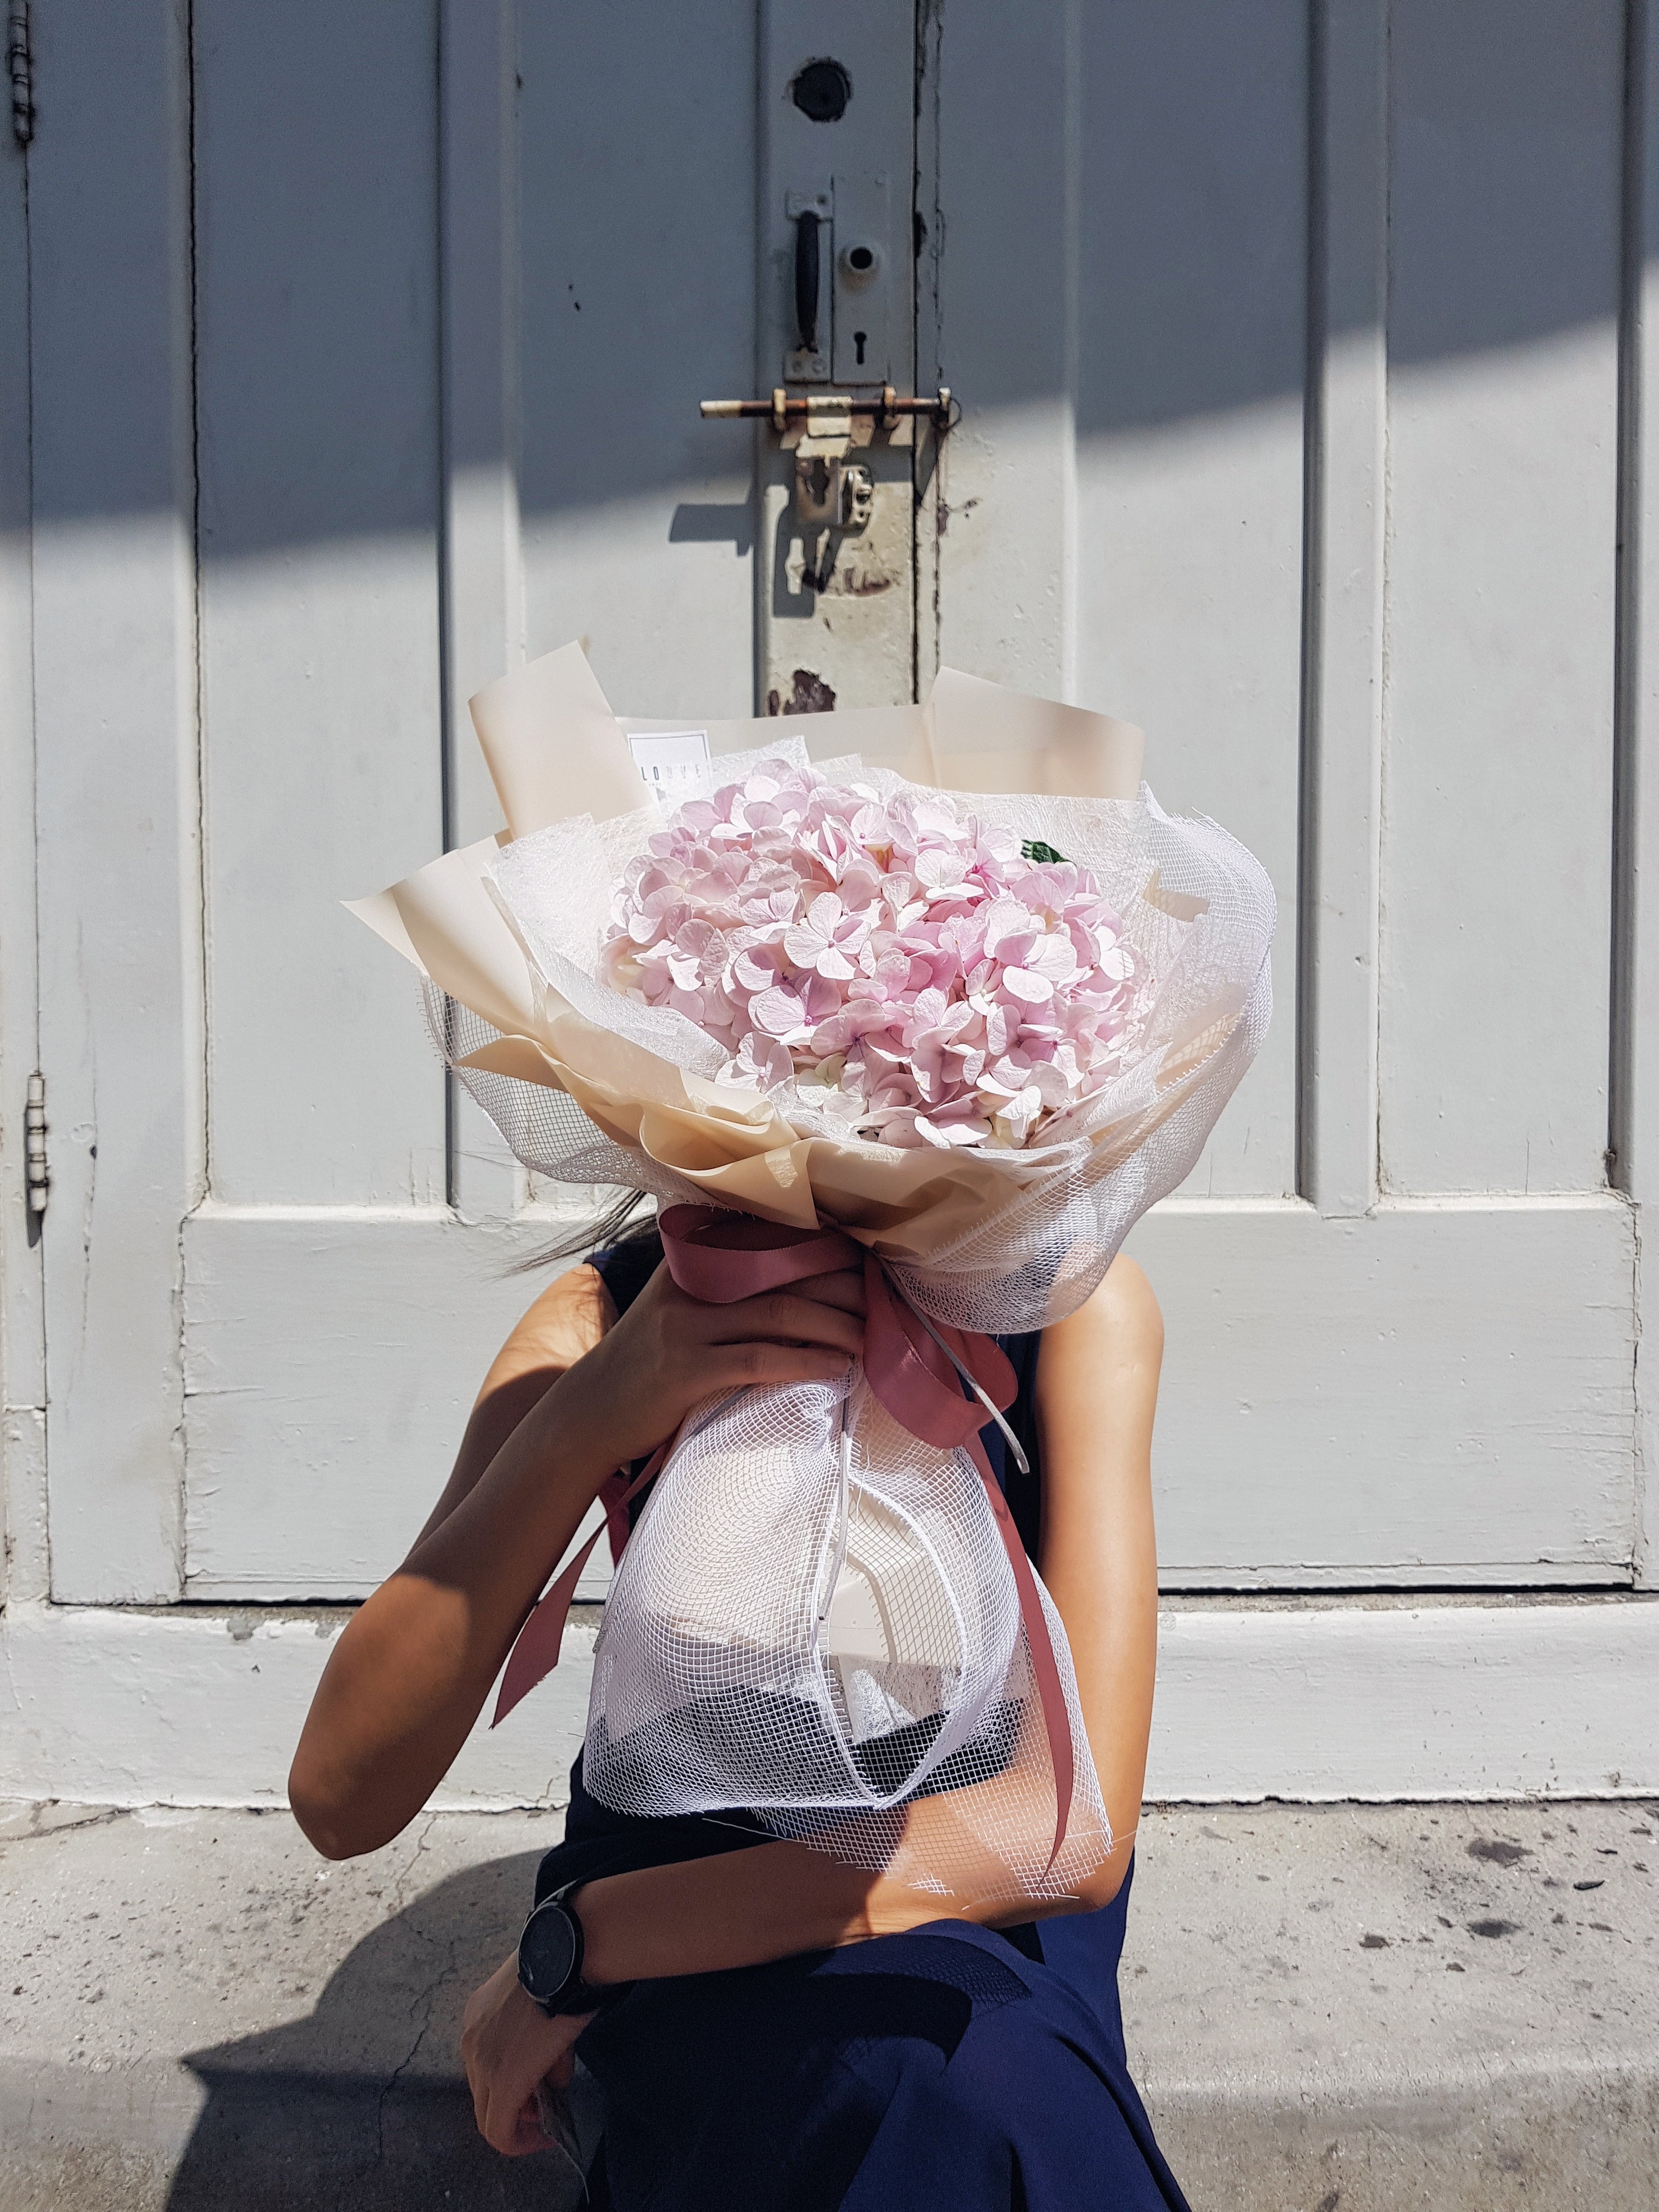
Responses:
[1044,856]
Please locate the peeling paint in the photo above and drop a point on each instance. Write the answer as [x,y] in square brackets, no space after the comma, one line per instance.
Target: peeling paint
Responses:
[810,695]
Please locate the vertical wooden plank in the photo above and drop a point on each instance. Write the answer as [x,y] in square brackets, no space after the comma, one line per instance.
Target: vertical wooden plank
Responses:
[478,215]
[927,217]
[319,363]
[1636,1043]
[483,559]
[1342,737]
[1192,359]
[1005,292]
[1504,297]
[637,191]
[845,630]
[118,798]
[24,1565]
[1119,511]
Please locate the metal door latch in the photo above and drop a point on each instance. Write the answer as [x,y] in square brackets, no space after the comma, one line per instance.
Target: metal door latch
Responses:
[36,1177]
[787,407]
[832,493]
[835,495]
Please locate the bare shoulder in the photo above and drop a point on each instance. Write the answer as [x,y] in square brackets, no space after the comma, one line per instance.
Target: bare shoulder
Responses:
[1098,1375]
[1127,1299]
[562,1323]
[574,1312]
[1121,1316]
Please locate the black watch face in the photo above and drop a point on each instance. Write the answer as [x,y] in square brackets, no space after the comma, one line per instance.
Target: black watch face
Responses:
[547,1952]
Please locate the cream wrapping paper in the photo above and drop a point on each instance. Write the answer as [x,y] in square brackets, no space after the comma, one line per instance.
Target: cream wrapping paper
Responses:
[555,749]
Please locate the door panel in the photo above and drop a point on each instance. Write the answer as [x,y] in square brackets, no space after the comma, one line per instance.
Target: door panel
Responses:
[333,1358]
[1438,1393]
[1192,350]
[317,398]
[635,300]
[1121,299]
[1502,447]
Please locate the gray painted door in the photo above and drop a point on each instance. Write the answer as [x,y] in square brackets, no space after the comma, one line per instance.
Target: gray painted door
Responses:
[1289,427]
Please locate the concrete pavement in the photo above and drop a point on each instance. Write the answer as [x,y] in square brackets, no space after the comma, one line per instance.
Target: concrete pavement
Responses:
[1352,2007]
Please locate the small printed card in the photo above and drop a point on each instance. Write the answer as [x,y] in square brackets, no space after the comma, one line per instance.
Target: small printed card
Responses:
[674,762]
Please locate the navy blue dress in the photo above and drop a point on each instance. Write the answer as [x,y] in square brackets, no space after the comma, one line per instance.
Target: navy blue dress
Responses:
[952,2068]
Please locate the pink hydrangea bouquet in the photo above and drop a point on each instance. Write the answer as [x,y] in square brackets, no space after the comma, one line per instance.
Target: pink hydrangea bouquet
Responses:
[939,980]
[938,990]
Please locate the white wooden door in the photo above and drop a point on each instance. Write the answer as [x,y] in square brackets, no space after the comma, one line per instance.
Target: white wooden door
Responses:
[1294,437]
[1289,380]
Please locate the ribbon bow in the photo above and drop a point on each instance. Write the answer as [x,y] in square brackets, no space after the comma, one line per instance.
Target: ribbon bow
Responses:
[913,1368]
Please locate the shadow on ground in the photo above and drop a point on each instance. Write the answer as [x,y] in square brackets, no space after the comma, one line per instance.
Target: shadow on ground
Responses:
[363,2104]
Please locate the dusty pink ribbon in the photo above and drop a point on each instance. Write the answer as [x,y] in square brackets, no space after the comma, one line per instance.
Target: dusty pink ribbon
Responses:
[722,1257]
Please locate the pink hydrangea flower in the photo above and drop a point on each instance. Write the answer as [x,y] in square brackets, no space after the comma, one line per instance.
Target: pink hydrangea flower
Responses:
[909,968]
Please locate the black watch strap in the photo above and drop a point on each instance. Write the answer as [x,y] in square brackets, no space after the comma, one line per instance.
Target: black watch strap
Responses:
[555,1927]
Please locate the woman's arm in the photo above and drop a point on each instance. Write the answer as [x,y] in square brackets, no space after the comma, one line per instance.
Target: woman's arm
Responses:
[1096,1397]
[409,1676]
[563,1324]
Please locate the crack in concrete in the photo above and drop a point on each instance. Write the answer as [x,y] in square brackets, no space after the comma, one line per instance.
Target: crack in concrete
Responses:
[48,1817]
[425,2004]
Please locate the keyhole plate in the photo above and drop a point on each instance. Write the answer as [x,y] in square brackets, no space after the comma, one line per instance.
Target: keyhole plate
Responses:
[870,290]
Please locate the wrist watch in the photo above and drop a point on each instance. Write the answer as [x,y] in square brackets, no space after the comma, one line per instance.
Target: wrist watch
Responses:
[551,1959]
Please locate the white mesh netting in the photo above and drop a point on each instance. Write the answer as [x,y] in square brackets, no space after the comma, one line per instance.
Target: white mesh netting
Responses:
[815,1618]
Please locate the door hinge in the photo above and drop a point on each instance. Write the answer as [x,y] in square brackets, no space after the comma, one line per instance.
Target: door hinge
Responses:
[20,67]
[38,1180]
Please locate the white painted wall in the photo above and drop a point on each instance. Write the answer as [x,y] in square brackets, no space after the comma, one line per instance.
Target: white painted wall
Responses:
[1288,342]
